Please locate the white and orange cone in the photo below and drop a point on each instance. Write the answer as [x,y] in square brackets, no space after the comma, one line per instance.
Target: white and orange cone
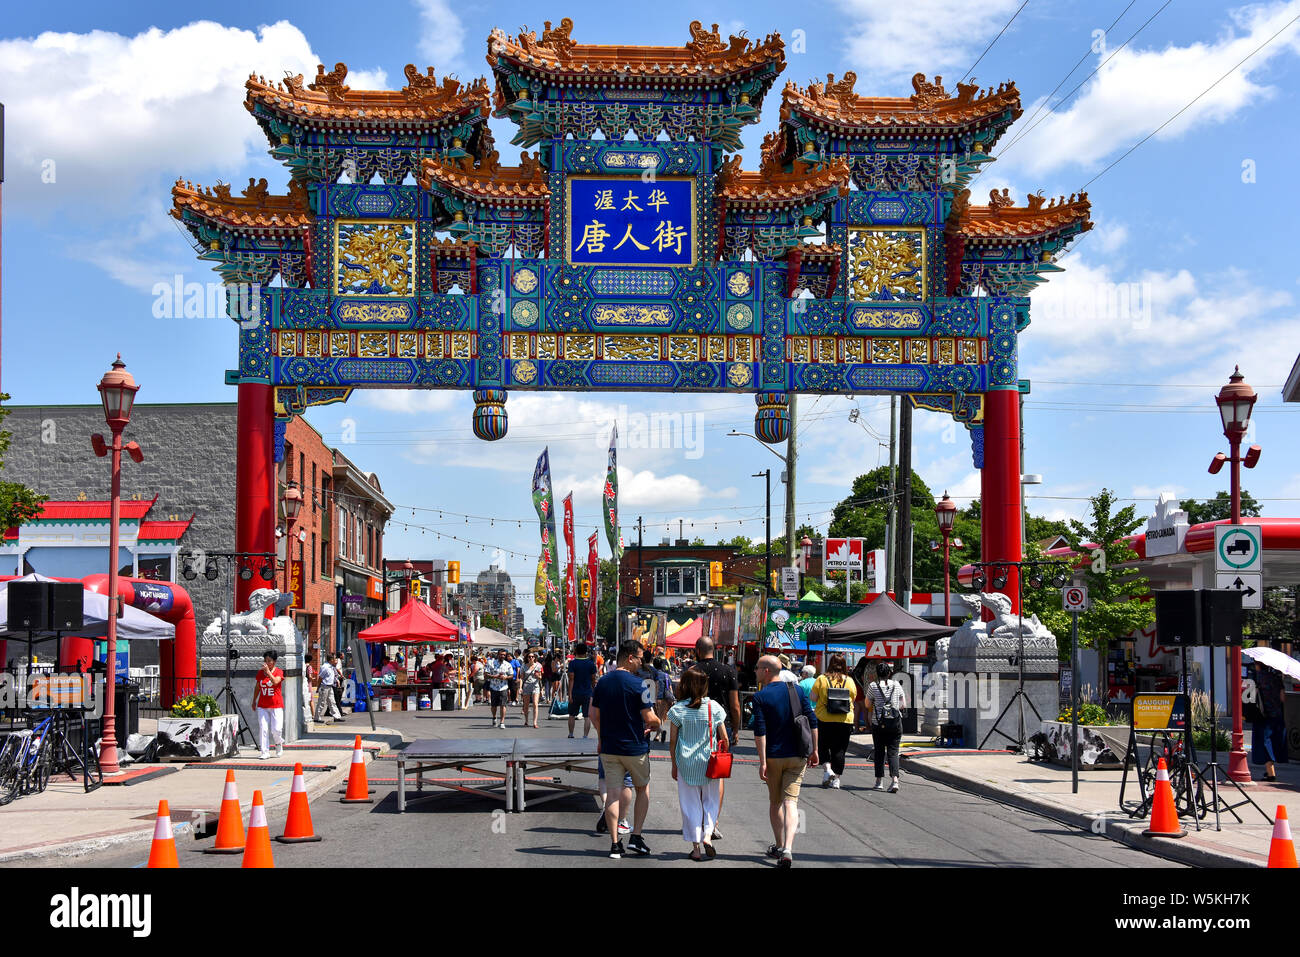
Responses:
[1281,850]
[297,827]
[358,791]
[162,852]
[230,825]
[1164,815]
[257,852]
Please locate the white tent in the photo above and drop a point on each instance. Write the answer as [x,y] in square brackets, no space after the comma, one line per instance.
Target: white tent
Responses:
[491,638]
[134,623]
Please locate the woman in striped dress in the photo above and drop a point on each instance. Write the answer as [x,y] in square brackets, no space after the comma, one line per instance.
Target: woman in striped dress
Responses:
[698,726]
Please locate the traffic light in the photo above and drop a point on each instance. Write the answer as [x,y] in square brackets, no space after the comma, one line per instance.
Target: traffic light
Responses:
[415,588]
[715,574]
[636,587]
[586,589]
[453,573]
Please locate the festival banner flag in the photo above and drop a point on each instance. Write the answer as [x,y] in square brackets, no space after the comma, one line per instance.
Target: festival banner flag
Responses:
[593,576]
[570,579]
[544,502]
[609,498]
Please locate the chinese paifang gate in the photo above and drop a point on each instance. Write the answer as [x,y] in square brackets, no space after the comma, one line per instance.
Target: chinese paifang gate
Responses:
[640,259]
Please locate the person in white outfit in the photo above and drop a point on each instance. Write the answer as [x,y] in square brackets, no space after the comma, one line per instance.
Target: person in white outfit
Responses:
[698,727]
[326,706]
[268,701]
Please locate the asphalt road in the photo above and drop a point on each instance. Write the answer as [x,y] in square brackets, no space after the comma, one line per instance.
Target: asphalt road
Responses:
[925,824]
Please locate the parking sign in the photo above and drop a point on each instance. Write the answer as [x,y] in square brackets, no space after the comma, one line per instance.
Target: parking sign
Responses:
[1074,598]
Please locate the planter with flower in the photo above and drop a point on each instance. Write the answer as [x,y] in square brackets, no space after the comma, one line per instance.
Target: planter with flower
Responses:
[196,730]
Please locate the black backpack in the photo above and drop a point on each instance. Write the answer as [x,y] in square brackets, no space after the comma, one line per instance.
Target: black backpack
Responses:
[839,700]
[888,717]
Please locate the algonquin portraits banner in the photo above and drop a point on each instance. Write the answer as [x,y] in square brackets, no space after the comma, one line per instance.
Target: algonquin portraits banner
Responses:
[570,578]
[609,498]
[544,502]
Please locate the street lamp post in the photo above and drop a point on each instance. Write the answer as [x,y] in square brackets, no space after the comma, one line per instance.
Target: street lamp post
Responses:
[292,501]
[945,510]
[787,477]
[766,475]
[1235,401]
[117,390]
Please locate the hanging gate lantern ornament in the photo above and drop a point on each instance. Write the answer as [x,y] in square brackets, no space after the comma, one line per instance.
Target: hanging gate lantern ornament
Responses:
[852,260]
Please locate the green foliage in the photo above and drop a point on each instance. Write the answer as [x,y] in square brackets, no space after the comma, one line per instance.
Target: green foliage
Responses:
[1204,723]
[1277,619]
[1218,508]
[18,503]
[196,706]
[489,620]
[1089,714]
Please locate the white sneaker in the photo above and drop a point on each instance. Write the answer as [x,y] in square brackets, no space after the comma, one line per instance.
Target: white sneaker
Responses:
[279,751]
[264,756]
[827,775]
[880,784]
[893,786]
[835,782]
[624,827]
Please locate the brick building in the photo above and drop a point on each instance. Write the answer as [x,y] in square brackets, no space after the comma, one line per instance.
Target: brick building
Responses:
[309,464]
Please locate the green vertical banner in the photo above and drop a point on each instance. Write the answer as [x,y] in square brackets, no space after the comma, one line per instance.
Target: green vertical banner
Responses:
[544,502]
[610,498]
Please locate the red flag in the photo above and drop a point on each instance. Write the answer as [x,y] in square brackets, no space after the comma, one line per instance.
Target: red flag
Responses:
[570,581]
[593,576]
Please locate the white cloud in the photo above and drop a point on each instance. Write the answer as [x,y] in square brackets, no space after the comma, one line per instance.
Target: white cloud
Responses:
[442,36]
[410,401]
[1138,89]
[889,42]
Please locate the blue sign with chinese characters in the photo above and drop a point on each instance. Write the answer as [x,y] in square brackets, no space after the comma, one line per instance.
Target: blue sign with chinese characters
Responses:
[622,221]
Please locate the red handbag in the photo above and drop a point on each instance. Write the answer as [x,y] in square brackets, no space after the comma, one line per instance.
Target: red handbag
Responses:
[719,761]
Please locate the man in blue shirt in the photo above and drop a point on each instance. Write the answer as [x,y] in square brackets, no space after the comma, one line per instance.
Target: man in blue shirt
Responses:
[782,757]
[623,713]
[582,682]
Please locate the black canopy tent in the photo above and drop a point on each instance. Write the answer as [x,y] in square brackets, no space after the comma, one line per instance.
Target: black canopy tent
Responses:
[884,618]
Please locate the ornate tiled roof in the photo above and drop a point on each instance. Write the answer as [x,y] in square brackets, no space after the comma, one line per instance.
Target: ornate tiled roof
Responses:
[169,530]
[1001,219]
[423,102]
[253,208]
[815,251]
[489,181]
[453,248]
[929,107]
[778,188]
[705,57]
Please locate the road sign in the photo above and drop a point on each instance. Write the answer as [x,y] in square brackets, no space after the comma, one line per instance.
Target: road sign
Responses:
[790,583]
[1074,598]
[1238,548]
[1250,584]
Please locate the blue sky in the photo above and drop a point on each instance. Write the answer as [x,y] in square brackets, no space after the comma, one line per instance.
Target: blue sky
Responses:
[1190,269]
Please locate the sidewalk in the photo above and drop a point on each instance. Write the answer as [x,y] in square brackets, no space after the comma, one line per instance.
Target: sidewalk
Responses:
[65,821]
[1044,788]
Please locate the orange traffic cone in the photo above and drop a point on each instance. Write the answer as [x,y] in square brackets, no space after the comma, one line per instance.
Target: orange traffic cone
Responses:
[297,827]
[230,825]
[358,786]
[1281,852]
[162,853]
[257,853]
[1164,816]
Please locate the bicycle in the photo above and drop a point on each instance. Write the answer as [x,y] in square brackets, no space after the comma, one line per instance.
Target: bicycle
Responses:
[26,764]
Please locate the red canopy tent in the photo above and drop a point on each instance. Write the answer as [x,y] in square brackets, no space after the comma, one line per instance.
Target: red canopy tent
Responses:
[685,637]
[415,624]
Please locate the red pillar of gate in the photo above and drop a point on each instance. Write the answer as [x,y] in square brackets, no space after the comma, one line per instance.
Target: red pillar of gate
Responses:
[1000,486]
[254,481]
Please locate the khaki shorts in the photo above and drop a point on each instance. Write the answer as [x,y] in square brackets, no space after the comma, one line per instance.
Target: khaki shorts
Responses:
[637,765]
[784,776]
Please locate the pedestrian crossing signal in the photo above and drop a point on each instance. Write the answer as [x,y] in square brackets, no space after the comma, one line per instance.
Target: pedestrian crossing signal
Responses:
[715,574]
[636,587]
[453,573]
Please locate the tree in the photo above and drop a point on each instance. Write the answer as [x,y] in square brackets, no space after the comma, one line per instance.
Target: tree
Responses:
[489,620]
[1277,619]
[18,503]
[1218,508]
[1115,593]
[1040,529]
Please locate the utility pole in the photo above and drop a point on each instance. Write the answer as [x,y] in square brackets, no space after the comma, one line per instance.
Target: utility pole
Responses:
[903,591]
[789,482]
[767,526]
[891,532]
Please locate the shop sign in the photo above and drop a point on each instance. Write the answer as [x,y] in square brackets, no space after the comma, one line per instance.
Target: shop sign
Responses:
[1166,528]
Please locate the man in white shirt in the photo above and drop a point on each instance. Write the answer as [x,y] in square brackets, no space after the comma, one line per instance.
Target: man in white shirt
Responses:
[499,675]
[326,706]
[786,674]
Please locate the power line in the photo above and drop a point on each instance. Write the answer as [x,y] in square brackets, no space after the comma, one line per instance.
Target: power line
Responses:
[993,41]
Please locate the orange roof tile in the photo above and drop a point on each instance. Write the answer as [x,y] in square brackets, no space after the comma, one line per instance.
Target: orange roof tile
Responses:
[254,208]
[1002,220]
[453,247]
[422,102]
[778,188]
[489,180]
[929,106]
[705,57]
[812,251]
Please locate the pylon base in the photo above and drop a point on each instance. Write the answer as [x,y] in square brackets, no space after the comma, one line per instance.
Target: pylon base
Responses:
[297,840]
[223,850]
[356,800]
[1151,833]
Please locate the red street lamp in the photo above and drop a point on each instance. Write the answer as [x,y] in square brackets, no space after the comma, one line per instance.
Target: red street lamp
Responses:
[945,510]
[292,503]
[1235,401]
[117,390]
